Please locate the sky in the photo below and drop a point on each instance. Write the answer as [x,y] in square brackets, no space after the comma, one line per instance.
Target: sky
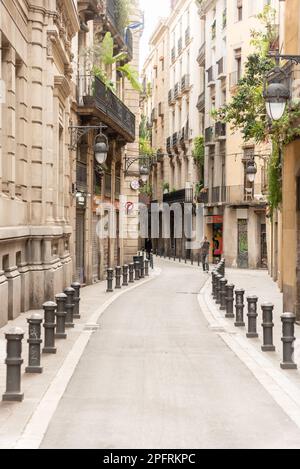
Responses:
[154,9]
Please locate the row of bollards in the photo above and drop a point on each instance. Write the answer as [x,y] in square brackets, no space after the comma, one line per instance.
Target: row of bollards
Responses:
[123,276]
[224,295]
[58,316]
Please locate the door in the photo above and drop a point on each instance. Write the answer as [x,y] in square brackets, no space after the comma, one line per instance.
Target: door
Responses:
[242,260]
[80,237]
[263,247]
[96,250]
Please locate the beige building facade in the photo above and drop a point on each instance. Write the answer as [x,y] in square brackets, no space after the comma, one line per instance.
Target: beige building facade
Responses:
[36,203]
[51,191]
[171,110]
[236,222]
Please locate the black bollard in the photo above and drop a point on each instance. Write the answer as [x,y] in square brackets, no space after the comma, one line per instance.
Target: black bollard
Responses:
[185,258]
[49,326]
[174,255]
[151,261]
[218,289]
[223,283]
[125,275]
[288,339]
[192,258]
[77,288]
[213,283]
[131,272]
[69,306]
[110,279]
[198,259]
[252,317]
[142,269]
[268,325]
[13,363]
[229,301]
[239,308]
[146,268]
[137,270]
[61,315]
[34,341]
[118,278]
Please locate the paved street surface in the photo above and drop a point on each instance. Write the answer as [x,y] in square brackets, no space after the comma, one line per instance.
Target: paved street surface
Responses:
[156,376]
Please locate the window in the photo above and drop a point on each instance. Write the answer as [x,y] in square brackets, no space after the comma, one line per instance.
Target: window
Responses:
[239,10]
[238,63]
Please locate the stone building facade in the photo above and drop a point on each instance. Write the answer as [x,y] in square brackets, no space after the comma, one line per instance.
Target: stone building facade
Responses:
[50,190]
[36,202]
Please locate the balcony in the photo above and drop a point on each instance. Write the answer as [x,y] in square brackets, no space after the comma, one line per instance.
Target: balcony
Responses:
[154,115]
[220,130]
[211,76]
[246,196]
[201,55]
[175,140]
[221,68]
[88,9]
[129,44]
[185,84]
[187,36]
[161,109]
[201,102]
[173,55]
[171,98]
[215,195]
[177,91]
[209,136]
[179,48]
[234,79]
[168,146]
[111,16]
[96,100]
[182,196]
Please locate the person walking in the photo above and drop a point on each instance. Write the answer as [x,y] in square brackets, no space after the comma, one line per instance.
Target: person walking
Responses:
[204,254]
[148,247]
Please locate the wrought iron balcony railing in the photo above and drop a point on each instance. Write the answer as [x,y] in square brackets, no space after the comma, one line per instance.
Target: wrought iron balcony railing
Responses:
[221,67]
[179,46]
[201,102]
[220,129]
[201,55]
[183,196]
[171,98]
[211,74]
[169,145]
[187,36]
[235,195]
[185,83]
[209,135]
[94,98]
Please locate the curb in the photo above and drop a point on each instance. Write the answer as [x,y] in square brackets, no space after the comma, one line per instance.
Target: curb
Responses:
[284,392]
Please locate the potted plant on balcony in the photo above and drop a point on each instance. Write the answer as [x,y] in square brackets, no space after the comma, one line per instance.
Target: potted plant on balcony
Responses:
[100,59]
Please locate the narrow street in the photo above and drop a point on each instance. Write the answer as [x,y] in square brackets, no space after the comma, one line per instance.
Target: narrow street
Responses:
[156,376]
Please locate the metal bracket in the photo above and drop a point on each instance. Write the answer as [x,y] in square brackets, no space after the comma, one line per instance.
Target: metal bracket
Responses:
[78,131]
[131,160]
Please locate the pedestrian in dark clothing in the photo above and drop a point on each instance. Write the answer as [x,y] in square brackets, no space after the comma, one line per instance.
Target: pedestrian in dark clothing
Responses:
[148,247]
[204,254]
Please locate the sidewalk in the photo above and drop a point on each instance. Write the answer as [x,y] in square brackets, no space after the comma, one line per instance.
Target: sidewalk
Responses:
[14,417]
[283,385]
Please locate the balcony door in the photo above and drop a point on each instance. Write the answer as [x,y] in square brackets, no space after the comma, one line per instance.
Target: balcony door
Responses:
[243,258]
